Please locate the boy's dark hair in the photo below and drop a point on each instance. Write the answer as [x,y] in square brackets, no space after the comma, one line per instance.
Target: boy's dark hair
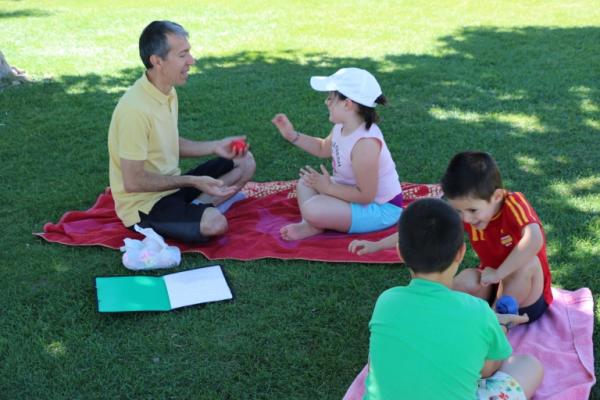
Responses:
[153,40]
[430,234]
[471,174]
[367,113]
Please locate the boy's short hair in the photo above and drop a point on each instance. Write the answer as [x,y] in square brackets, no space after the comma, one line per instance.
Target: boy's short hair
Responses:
[471,174]
[153,40]
[430,234]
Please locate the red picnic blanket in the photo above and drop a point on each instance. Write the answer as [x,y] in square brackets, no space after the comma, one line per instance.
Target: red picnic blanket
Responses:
[254,225]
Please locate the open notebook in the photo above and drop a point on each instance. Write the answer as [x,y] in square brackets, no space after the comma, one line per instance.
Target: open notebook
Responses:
[161,293]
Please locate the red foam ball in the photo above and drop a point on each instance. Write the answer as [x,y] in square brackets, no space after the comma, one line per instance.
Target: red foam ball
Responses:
[238,145]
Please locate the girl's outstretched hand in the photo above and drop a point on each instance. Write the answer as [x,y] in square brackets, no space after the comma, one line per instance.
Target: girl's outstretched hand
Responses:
[285,127]
[315,180]
[361,247]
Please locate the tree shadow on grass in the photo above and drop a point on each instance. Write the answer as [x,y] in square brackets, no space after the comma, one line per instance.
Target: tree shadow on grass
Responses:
[28,12]
[529,96]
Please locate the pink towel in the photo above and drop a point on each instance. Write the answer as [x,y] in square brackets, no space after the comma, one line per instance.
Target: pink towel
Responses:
[254,225]
[561,339]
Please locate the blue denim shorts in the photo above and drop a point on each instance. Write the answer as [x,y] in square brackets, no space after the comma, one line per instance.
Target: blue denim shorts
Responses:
[373,217]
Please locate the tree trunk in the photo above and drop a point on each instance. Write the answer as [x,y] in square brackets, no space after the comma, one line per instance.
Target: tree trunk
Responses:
[10,75]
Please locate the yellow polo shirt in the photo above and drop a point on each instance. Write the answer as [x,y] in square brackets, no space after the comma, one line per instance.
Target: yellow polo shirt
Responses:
[143,127]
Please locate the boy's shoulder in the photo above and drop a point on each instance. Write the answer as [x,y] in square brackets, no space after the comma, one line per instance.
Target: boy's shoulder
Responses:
[422,290]
[403,304]
[516,196]
[518,207]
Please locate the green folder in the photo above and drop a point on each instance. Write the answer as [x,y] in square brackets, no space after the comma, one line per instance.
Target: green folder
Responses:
[161,293]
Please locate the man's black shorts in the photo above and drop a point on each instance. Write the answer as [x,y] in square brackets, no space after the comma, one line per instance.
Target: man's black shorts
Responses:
[174,216]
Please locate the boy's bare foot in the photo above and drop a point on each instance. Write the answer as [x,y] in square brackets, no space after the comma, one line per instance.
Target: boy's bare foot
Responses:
[298,231]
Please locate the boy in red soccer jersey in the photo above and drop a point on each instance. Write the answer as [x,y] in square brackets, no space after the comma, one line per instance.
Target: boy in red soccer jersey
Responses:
[504,231]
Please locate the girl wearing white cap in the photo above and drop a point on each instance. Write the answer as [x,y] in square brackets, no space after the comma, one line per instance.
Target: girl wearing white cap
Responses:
[363,194]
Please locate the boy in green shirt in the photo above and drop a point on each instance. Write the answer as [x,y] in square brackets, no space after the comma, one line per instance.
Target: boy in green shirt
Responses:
[430,342]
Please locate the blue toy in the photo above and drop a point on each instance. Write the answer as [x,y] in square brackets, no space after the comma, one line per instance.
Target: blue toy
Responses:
[507,305]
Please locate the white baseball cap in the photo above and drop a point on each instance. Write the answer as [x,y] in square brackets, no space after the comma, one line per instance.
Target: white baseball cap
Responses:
[356,84]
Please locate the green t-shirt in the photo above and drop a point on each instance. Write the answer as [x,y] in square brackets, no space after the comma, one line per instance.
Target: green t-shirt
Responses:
[430,342]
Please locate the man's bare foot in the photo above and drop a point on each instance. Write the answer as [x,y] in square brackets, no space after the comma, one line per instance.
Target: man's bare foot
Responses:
[298,231]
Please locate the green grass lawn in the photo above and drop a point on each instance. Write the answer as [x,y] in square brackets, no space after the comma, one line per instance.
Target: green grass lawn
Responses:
[518,79]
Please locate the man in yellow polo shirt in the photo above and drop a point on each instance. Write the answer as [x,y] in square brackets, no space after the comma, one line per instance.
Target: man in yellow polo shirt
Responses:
[144,149]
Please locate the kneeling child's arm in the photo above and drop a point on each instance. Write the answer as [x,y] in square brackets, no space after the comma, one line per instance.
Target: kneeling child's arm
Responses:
[530,244]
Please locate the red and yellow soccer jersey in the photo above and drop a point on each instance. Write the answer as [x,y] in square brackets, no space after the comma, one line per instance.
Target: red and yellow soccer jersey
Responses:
[499,238]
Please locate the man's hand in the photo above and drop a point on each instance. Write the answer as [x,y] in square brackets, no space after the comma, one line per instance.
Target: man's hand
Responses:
[489,276]
[285,127]
[211,186]
[315,180]
[224,149]
[361,247]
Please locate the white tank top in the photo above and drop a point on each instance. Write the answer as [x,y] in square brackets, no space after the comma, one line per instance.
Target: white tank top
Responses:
[341,153]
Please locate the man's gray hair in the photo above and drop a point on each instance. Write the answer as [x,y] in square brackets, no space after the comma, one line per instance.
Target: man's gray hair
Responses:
[153,40]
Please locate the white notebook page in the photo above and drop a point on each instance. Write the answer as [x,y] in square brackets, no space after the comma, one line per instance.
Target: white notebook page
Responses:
[201,285]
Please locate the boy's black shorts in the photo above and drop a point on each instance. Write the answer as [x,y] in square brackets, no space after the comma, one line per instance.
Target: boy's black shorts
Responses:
[534,311]
[174,216]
